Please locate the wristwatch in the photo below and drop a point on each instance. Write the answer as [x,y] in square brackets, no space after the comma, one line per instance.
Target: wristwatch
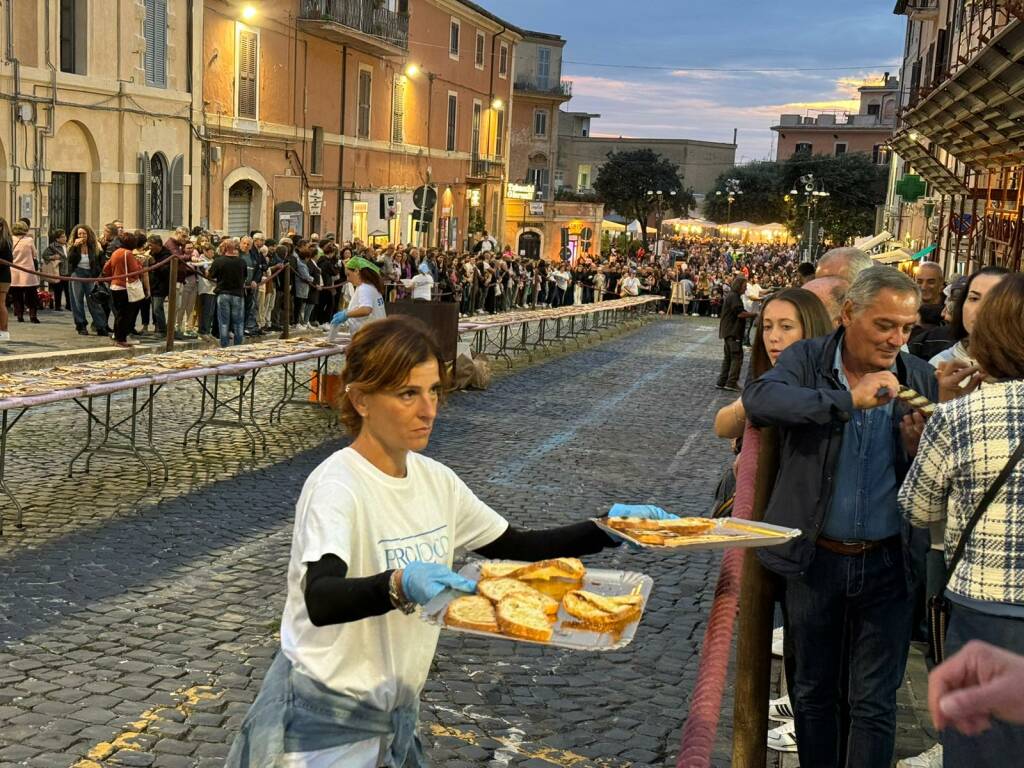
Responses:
[397,596]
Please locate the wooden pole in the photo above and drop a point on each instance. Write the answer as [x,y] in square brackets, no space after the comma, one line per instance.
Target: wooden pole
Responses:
[754,632]
[171,310]
[286,305]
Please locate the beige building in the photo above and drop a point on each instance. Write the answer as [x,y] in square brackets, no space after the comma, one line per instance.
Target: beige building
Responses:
[100,112]
[581,155]
[838,133]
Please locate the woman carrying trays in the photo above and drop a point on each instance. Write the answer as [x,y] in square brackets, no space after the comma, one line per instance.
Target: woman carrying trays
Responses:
[376,529]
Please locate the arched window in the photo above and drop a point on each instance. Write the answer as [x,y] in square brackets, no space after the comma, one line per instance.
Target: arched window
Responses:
[158,218]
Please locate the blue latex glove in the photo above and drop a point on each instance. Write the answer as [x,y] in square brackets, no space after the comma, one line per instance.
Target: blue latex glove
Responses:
[422,582]
[645,511]
[339,318]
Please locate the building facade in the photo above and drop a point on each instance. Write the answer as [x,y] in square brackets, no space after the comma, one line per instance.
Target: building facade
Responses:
[956,175]
[328,117]
[581,155]
[838,133]
[101,114]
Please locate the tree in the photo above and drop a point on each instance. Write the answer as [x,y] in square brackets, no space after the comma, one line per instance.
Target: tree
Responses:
[855,186]
[625,179]
[762,199]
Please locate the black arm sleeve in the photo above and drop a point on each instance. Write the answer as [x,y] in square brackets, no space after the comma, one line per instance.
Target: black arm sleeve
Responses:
[331,598]
[567,541]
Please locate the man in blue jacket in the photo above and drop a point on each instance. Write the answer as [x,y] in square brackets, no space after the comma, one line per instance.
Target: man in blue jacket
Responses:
[846,444]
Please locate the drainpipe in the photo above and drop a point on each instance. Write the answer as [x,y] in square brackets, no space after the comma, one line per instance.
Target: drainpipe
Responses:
[189,42]
[490,109]
[11,59]
[341,148]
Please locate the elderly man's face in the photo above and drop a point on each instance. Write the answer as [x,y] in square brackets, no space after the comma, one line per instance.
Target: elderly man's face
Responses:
[245,243]
[929,279]
[875,335]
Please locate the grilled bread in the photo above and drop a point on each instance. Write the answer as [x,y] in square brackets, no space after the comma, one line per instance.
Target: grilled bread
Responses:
[683,526]
[569,568]
[496,590]
[472,612]
[601,612]
[519,616]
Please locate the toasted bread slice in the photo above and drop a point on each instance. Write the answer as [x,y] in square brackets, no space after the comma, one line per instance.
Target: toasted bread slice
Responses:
[600,612]
[497,589]
[471,612]
[519,616]
[497,570]
[569,568]
[683,526]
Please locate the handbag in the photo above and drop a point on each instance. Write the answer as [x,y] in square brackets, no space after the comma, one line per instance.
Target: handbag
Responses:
[938,604]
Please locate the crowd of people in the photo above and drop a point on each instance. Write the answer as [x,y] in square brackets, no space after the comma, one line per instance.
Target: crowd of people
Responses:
[867,478]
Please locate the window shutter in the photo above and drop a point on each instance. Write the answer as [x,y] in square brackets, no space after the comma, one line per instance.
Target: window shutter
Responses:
[248,67]
[156,43]
[149,30]
[398,111]
[145,190]
[177,212]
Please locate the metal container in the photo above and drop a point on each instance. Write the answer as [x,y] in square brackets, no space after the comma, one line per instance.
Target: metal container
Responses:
[728,533]
[600,581]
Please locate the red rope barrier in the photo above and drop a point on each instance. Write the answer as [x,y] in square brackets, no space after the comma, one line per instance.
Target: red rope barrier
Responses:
[698,738]
[71,279]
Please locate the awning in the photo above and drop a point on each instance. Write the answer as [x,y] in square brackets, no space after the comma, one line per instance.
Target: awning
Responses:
[934,172]
[978,114]
[892,257]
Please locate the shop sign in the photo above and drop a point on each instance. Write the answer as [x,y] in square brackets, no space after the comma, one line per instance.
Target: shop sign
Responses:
[536,209]
[474,198]
[315,200]
[520,191]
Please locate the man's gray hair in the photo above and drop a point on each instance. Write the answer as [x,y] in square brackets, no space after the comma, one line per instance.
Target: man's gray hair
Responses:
[854,261]
[874,280]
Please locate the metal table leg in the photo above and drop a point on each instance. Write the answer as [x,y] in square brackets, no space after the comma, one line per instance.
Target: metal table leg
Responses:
[6,425]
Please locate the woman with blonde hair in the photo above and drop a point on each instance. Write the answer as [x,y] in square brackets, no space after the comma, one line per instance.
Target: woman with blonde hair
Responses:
[24,285]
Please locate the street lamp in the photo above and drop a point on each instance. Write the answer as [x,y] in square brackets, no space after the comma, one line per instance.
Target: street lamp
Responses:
[732,191]
[659,199]
[248,12]
[813,192]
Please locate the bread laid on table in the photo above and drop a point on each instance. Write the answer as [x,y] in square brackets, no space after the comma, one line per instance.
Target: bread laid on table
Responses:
[472,612]
[518,616]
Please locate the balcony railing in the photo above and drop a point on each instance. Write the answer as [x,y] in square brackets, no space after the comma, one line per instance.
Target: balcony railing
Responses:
[532,85]
[487,167]
[365,16]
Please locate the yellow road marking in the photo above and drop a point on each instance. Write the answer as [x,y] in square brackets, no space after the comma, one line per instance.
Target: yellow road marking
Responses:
[558,757]
[127,739]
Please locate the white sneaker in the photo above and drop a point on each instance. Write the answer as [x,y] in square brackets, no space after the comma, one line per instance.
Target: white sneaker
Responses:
[783,738]
[780,709]
[777,636]
[930,758]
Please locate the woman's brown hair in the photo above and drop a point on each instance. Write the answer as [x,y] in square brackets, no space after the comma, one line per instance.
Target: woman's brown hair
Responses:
[997,342]
[373,278]
[814,320]
[381,357]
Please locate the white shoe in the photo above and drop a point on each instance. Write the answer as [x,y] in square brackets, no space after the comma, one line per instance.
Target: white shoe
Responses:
[780,709]
[930,758]
[5,335]
[783,738]
[777,642]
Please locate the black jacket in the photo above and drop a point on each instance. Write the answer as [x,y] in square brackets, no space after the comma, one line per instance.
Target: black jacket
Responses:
[96,261]
[802,397]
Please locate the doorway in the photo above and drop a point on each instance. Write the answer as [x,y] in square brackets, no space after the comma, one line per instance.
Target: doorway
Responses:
[529,245]
[240,209]
[65,191]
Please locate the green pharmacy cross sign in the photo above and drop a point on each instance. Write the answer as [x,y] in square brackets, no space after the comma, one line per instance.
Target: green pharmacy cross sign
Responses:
[910,187]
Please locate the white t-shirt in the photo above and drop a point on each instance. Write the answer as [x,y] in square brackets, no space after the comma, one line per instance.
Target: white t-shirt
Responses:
[366,296]
[631,286]
[375,522]
[421,286]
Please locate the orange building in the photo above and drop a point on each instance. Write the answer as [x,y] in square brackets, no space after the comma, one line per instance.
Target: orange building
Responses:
[325,116]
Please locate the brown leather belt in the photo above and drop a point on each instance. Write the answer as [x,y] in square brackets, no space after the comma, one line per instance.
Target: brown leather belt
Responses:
[849,547]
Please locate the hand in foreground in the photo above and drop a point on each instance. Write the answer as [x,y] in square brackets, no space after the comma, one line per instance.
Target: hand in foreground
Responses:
[956,378]
[911,429]
[645,511]
[973,686]
[874,390]
[339,318]
[422,582]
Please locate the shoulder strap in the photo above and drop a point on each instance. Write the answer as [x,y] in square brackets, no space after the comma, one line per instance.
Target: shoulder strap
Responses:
[986,500]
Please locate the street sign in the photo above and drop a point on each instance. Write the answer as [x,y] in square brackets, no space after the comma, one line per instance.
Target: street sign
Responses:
[424,197]
[520,191]
[315,201]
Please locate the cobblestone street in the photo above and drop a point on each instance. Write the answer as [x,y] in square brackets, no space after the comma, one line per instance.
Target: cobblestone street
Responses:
[137,622]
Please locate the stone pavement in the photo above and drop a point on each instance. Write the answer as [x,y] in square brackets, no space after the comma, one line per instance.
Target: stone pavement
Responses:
[138,622]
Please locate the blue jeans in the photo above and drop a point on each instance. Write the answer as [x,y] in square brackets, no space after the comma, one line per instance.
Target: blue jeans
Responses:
[80,299]
[207,313]
[849,615]
[993,748]
[159,316]
[230,317]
